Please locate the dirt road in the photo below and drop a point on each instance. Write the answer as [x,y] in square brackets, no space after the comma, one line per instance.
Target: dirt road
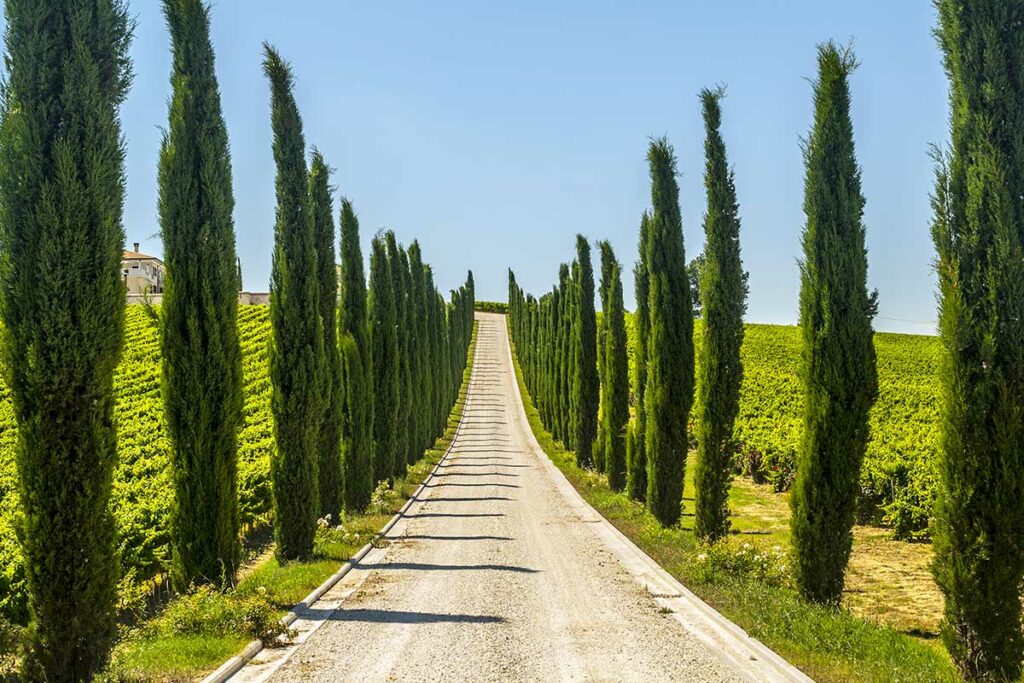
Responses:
[497,574]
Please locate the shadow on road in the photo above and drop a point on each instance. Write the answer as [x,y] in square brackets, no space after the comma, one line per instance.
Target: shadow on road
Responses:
[473,484]
[421,515]
[430,537]
[423,566]
[381,616]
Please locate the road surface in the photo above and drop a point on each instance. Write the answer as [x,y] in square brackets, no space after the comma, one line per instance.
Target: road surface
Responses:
[494,574]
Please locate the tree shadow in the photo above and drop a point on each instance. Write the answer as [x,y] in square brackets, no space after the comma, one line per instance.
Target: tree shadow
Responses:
[431,537]
[452,499]
[423,566]
[383,616]
[472,484]
[424,515]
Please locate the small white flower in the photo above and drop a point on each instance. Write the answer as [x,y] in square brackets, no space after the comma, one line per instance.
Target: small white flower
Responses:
[702,557]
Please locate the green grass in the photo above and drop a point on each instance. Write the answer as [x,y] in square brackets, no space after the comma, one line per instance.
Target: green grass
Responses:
[194,634]
[828,645]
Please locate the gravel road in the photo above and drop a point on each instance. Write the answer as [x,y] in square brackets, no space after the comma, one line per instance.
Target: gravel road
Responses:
[492,576]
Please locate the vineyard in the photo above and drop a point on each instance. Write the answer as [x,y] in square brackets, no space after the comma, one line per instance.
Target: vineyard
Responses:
[898,478]
[142,485]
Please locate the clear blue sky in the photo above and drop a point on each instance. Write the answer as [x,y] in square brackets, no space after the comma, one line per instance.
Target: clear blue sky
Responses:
[494,132]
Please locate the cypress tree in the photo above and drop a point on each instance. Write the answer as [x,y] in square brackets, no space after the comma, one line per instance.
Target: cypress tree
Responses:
[586,396]
[401,360]
[615,390]
[979,236]
[296,350]
[62,304]
[420,369]
[636,436]
[565,357]
[669,392]
[357,367]
[384,338]
[607,263]
[202,358]
[554,332]
[329,443]
[838,358]
[408,337]
[435,319]
[723,290]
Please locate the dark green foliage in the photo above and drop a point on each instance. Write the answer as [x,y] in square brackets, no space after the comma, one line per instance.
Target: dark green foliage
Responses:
[979,236]
[564,360]
[386,366]
[420,369]
[669,346]
[636,437]
[296,352]
[62,305]
[357,367]
[202,358]
[329,443]
[586,387]
[615,381]
[607,264]
[838,357]
[435,352]
[723,288]
[398,265]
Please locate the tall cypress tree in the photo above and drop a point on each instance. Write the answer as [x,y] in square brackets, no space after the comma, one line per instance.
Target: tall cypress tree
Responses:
[296,351]
[565,378]
[586,388]
[398,289]
[202,358]
[979,236]
[384,338]
[838,358]
[607,263]
[636,436]
[62,305]
[357,367]
[669,392]
[615,388]
[723,291]
[419,425]
[408,326]
[435,319]
[331,481]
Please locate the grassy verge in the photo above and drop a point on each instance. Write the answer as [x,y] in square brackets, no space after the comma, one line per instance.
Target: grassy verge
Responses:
[749,583]
[195,633]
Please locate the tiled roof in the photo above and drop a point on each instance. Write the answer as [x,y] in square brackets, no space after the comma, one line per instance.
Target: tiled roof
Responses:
[136,256]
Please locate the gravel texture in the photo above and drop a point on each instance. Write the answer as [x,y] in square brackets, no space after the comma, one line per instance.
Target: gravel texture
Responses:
[492,576]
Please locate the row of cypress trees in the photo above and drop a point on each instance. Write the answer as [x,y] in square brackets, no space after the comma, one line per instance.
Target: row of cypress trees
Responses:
[62,304]
[362,382]
[574,380]
[420,345]
[838,359]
